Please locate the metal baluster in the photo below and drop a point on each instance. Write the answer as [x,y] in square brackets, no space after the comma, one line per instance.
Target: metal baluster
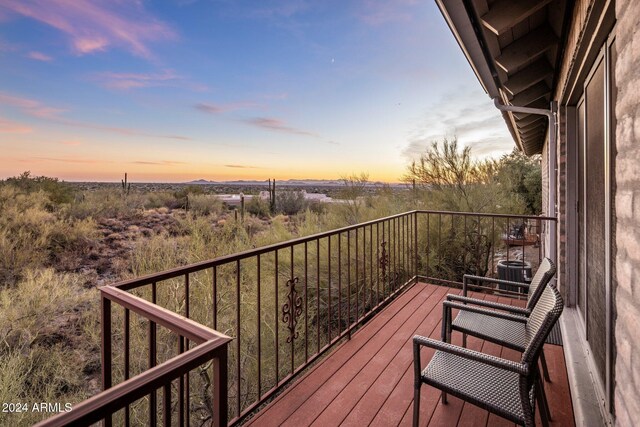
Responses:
[126,361]
[106,351]
[329,306]
[306,303]
[259,320]
[276,307]
[238,338]
[292,313]
[152,357]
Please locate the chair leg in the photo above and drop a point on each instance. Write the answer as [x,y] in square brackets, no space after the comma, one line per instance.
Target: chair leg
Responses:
[444,398]
[545,371]
[545,413]
[464,340]
[416,406]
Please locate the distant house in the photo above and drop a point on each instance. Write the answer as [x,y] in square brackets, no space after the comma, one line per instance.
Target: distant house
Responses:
[233,199]
[311,197]
[575,67]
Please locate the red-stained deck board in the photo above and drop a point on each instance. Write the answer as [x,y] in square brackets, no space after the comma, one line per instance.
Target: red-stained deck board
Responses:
[369,379]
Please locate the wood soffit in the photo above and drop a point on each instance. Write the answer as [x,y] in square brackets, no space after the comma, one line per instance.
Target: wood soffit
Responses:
[522,38]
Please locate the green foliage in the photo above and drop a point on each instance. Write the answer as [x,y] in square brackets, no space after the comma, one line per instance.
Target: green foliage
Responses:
[205,204]
[161,199]
[189,190]
[521,176]
[258,207]
[290,202]
[58,192]
[451,180]
[185,194]
[352,194]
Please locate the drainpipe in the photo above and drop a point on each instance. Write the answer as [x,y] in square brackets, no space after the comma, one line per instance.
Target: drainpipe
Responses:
[552,206]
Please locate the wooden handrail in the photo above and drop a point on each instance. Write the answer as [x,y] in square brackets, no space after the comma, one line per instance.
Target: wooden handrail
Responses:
[115,398]
[181,325]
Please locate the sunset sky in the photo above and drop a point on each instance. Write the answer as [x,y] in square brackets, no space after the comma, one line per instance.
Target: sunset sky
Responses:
[176,90]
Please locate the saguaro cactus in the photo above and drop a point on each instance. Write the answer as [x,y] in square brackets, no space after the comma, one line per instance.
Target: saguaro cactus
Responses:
[242,206]
[272,195]
[126,186]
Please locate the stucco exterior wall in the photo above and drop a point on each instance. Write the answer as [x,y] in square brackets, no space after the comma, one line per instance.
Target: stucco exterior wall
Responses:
[627,390]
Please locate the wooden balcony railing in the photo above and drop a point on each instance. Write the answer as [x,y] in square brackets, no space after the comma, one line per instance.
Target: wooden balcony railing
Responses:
[284,305]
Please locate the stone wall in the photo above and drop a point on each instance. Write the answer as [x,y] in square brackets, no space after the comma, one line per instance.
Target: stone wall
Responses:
[575,35]
[627,202]
[562,202]
[579,16]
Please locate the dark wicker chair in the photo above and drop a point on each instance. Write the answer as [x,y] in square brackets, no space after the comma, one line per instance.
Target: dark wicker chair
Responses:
[476,320]
[500,386]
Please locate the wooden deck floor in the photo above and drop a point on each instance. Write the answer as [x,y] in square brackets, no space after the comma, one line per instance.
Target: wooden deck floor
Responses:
[369,379]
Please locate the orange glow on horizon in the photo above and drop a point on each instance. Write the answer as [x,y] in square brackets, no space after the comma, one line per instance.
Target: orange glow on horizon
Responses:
[112,172]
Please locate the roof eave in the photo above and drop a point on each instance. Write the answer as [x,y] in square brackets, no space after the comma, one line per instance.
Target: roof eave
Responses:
[462,27]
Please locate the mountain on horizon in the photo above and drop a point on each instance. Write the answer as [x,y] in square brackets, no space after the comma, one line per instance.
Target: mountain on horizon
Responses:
[288,182]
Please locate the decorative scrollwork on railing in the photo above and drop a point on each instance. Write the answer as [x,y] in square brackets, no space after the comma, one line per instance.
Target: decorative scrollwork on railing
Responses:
[383,261]
[292,309]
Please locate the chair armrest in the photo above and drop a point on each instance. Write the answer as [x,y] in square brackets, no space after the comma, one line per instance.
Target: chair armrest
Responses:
[492,313]
[468,277]
[506,307]
[498,362]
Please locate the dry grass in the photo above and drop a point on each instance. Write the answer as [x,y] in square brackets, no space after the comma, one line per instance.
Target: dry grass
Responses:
[46,354]
[49,327]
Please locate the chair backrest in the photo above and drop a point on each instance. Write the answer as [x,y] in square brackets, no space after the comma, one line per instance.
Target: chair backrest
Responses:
[544,316]
[544,274]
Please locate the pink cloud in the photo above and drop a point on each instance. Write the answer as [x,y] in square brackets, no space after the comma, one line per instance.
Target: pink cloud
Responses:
[8,126]
[39,110]
[71,160]
[29,106]
[242,167]
[39,56]
[120,130]
[210,108]
[134,80]
[71,143]
[375,13]
[97,26]
[126,81]
[276,125]
[88,45]
[160,163]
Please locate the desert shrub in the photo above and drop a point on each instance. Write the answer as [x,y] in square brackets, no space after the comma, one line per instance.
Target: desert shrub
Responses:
[258,206]
[59,192]
[106,203]
[188,191]
[317,207]
[161,199]
[32,236]
[254,225]
[42,320]
[204,204]
[290,202]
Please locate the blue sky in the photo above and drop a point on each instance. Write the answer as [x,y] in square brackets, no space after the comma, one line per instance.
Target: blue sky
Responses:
[219,89]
